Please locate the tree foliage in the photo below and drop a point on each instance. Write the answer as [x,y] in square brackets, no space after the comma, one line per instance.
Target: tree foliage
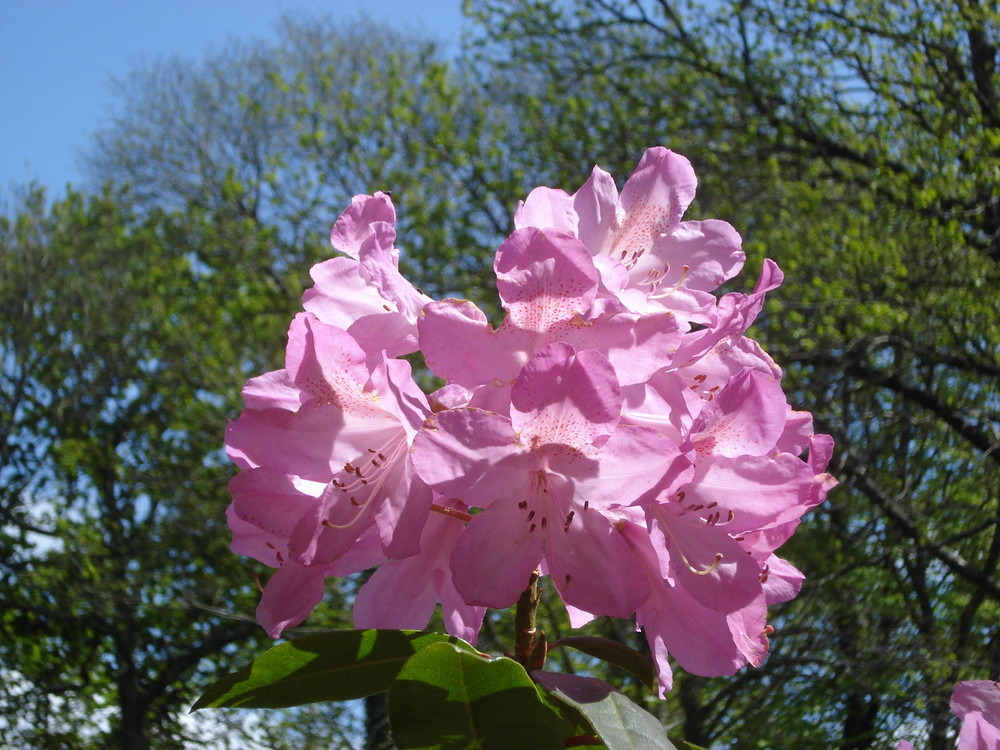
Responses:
[286,132]
[856,143]
[120,350]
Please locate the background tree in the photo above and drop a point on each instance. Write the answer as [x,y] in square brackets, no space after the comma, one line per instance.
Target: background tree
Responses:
[286,132]
[856,144]
[120,351]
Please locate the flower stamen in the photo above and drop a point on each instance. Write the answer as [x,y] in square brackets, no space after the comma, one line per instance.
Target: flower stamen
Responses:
[656,293]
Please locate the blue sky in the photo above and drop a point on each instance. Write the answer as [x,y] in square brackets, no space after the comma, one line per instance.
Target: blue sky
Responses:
[57,56]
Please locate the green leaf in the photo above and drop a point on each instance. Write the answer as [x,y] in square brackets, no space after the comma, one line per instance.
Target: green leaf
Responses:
[684,744]
[639,666]
[335,666]
[619,722]
[448,699]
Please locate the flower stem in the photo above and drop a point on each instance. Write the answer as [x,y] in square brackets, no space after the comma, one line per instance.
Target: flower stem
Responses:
[444,510]
[529,644]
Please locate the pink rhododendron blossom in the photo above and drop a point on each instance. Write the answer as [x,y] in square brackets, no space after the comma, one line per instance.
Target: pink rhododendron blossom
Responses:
[619,431]
[977,704]
[325,454]
[403,593]
[544,477]
[547,284]
[364,293]
[659,261]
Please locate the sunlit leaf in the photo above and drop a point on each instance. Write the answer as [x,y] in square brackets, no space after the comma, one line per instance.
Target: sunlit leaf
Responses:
[335,666]
[449,699]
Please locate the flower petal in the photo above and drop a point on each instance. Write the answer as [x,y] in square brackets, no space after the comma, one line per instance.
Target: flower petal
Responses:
[460,347]
[380,259]
[760,490]
[494,557]
[289,596]
[266,506]
[565,397]
[353,226]
[592,566]
[342,293]
[547,208]
[652,202]
[544,277]
[464,454]
[704,560]
[746,418]
[596,205]
[273,390]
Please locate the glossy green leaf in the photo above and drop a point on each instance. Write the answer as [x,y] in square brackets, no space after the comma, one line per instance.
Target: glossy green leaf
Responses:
[334,666]
[620,723]
[449,699]
[636,664]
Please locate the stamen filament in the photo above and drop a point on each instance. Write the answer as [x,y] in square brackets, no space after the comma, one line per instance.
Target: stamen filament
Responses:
[444,510]
[687,563]
[653,294]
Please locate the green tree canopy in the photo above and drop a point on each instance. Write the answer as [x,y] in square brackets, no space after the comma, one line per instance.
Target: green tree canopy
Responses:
[857,144]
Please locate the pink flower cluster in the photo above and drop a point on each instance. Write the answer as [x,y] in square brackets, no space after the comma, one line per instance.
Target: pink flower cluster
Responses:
[977,704]
[618,431]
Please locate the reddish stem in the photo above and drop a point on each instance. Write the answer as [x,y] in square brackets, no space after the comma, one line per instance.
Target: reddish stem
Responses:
[529,643]
[453,512]
[582,741]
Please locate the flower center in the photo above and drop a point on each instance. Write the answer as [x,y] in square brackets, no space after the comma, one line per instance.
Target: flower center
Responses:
[361,482]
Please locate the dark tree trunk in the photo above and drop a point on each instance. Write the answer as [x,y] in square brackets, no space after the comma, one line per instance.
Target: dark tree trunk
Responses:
[377,735]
